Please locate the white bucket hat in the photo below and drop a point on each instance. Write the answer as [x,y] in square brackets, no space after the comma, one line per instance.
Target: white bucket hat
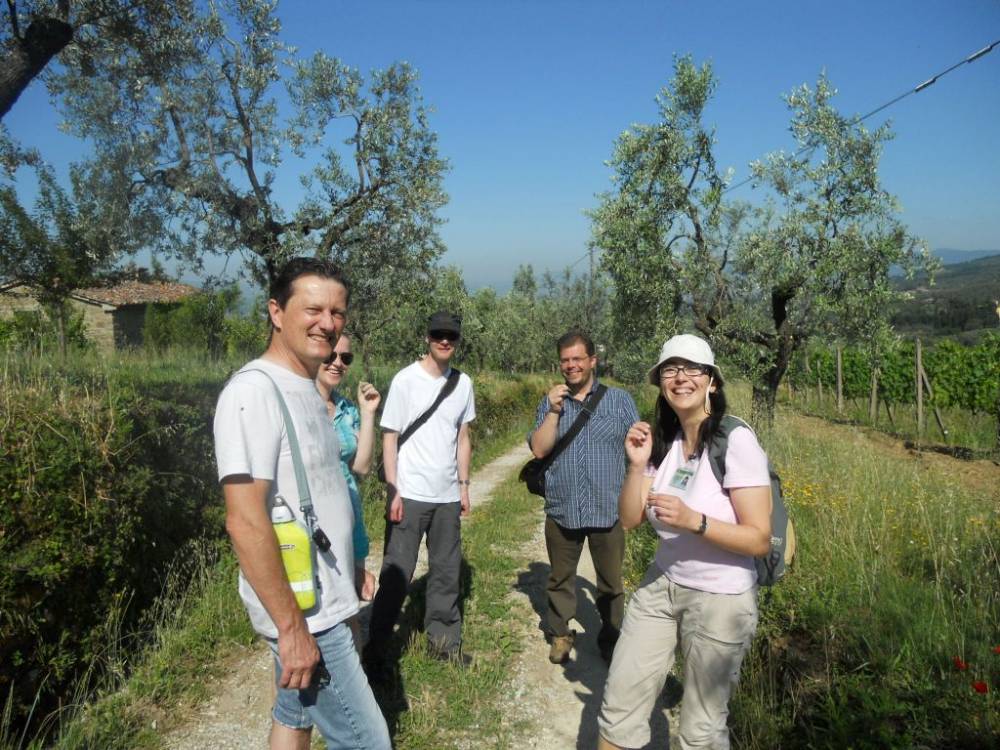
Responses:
[685,346]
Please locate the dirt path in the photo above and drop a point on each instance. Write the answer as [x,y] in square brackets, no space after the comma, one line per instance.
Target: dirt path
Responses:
[557,704]
[238,716]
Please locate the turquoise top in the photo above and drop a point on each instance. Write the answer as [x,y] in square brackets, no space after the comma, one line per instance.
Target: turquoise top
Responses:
[347,423]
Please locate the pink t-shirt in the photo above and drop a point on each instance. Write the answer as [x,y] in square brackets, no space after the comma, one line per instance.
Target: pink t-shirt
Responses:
[686,558]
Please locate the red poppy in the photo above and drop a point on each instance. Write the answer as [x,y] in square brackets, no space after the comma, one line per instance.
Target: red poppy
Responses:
[996,649]
[960,665]
[980,687]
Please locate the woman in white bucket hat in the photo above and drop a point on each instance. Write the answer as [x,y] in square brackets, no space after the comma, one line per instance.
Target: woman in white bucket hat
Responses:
[700,592]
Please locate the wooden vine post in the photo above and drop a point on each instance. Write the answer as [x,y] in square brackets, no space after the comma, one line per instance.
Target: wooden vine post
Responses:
[937,411]
[840,379]
[919,392]
[873,397]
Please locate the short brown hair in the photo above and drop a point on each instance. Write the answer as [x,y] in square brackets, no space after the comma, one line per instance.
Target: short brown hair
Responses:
[575,336]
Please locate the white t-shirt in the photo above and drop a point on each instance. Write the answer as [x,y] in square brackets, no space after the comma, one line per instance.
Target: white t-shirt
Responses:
[427,464]
[688,559]
[250,439]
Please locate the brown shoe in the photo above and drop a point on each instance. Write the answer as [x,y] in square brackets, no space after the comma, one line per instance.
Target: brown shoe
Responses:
[561,646]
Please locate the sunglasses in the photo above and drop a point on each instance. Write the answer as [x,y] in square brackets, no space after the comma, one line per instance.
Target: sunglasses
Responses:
[345,357]
[444,335]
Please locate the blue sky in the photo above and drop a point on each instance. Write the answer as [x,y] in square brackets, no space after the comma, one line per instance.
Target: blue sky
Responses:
[529,97]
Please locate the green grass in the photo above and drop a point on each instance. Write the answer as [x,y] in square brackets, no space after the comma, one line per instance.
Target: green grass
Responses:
[975,432]
[198,618]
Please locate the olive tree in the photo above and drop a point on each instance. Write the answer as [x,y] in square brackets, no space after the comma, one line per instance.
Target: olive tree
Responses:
[812,261]
[34,32]
[194,128]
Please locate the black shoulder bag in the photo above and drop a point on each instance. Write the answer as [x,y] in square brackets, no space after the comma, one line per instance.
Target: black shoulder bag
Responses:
[533,472]
[446,390]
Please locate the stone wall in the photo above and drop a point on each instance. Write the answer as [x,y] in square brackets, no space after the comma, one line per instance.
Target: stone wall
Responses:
[98,319]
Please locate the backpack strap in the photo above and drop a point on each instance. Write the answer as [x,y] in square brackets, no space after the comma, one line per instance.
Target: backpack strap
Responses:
[587,408]
[720,444]
[446,390]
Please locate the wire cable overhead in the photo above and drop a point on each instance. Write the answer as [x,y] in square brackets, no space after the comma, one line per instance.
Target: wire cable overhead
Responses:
[915,90]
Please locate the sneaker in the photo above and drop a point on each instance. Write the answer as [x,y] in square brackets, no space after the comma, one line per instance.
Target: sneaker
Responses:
[561,646]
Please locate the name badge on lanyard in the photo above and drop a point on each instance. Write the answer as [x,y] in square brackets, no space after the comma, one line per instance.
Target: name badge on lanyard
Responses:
[681,479]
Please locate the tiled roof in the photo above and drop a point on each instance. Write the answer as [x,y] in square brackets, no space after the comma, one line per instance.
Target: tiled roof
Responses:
[137,293]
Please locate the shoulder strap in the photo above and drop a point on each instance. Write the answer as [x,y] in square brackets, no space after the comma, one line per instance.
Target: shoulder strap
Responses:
[588,408]
[446,390]
[305,498]
[720,443]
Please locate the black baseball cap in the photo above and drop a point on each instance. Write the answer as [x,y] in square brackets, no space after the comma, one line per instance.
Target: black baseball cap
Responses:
[443,320]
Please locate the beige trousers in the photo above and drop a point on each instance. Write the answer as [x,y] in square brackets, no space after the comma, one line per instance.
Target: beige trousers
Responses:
[713,632]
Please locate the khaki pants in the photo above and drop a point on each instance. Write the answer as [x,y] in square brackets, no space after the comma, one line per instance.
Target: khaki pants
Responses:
[714,632]
[607,550]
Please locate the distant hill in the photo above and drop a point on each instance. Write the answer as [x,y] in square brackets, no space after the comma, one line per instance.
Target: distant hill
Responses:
[949,255]
[962,301]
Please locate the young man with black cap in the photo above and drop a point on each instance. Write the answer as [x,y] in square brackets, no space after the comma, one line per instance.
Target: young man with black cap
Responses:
[428,488]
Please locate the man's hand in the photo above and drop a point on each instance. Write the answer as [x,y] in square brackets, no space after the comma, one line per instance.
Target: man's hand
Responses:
[299,655]
[364,583]
[464,500]
[395,514]
[556,395]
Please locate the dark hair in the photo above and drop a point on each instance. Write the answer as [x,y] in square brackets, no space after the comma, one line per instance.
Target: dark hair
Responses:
[666,424]
[294,268]
[573,337]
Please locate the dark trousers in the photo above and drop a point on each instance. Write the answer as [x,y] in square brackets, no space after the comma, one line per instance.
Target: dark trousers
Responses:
[607,549]
[442,618]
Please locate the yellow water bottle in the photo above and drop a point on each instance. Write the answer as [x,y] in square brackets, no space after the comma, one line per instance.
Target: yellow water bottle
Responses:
[296,554]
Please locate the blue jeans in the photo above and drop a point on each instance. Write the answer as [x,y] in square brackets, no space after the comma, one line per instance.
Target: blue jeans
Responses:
[343,709]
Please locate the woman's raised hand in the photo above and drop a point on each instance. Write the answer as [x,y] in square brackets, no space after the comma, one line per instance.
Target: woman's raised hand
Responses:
[639,444]
[368,397]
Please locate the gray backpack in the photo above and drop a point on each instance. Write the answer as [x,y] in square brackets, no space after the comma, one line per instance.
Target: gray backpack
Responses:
[771,567]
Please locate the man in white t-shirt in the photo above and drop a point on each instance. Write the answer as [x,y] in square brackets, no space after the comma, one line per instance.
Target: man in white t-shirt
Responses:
[318,674]
[428,480]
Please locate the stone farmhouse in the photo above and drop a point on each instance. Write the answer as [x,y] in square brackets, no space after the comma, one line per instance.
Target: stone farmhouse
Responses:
[113,316]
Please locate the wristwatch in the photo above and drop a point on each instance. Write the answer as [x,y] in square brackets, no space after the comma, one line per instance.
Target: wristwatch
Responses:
[466,482]
[704,524]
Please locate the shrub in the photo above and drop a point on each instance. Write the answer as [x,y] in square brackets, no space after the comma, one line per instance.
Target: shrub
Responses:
[101,483]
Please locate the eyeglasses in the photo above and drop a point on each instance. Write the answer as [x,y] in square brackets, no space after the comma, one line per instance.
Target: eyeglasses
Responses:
[444,335]
[345,357]
[692,371]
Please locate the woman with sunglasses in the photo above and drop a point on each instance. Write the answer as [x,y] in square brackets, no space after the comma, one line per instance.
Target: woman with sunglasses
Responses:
[700,593]
[356,432]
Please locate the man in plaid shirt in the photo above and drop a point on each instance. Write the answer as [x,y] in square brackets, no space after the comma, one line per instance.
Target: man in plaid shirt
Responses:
[581,493]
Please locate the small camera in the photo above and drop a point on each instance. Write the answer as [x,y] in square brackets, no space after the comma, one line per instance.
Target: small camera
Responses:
[321,540]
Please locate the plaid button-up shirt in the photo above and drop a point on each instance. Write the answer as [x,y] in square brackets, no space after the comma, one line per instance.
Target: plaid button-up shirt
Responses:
[582,485]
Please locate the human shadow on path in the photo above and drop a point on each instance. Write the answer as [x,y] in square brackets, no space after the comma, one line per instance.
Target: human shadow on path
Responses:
[586,671]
